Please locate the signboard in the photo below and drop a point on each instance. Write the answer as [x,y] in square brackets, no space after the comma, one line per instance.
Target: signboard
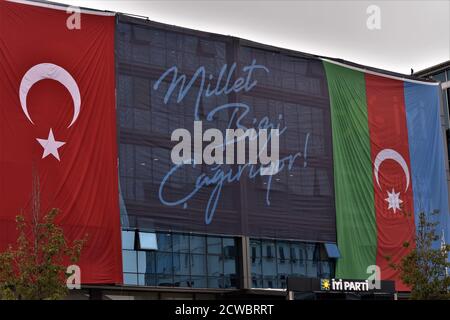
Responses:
[301,284]
[344,285]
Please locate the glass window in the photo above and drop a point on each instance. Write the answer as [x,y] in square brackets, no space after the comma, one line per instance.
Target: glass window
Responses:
[198,264]
[229,281]
[181,264]
[129,261]
[311,269]
[215,265]
[270,282]
[332,250]
[439,77]
[164,262]
[255,250]
[310,251]
[147,241]
[280,259]
[257,266]
[282,280]
[141,279]
[198,244]
[269,266]
[299,268]
[216,282]
[182,281]
[164,242]
[147,279]
[130,278]
[199,282]
[146,262]
[229,250]
[181,261]
[284,267]
[164,280]
[283,252]
[230,266]
[268,249]
[302,253]
[325,269]
[257,282]
[294,253]
[214,245]
[180,242]
[228,242]
[128,240]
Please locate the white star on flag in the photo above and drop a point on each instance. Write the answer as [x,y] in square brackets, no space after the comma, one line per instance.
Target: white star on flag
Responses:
[50,145]
[394,200]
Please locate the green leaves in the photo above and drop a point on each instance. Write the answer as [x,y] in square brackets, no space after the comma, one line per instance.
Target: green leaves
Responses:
[424,268]
[34,269]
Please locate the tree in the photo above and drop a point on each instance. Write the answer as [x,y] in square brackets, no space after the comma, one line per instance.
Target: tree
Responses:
[34,269]
[425,268]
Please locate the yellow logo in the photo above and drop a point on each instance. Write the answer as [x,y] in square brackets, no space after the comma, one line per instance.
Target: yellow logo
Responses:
[325,284]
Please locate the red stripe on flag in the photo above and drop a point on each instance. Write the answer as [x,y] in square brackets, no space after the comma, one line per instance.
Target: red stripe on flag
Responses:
[393,196]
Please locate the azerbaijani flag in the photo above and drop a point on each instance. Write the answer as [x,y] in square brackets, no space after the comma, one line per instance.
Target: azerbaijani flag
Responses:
[388,167]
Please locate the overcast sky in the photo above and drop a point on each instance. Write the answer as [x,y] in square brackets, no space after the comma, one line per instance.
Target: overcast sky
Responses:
[412,34]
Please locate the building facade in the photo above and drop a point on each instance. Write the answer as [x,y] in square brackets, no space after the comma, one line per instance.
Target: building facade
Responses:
[232,166]
[235,259]
[168,251]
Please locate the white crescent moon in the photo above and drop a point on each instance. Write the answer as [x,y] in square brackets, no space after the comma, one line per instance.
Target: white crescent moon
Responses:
[386,154]
[49,71]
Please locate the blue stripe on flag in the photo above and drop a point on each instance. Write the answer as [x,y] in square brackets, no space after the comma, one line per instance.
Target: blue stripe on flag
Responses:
[426,149]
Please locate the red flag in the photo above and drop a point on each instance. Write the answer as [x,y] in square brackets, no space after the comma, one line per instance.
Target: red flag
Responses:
[57,113]
[393,192]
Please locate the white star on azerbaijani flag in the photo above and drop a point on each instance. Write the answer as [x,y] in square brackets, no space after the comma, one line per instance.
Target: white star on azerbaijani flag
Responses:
[50,145]
[394,200]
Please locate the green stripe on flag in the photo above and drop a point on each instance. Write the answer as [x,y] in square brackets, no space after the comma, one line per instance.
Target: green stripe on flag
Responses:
[355,210]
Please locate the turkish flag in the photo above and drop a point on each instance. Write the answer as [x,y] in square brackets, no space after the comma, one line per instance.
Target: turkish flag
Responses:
[58,124]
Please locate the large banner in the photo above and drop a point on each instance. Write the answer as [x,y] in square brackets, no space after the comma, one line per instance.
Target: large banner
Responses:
[389,166]
[58,129]
[183,100]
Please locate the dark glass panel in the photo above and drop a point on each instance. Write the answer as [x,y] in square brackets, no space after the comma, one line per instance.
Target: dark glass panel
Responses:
[164,242]
[198,244]
[198,264]
[164,263]
[214,245]
[215,265]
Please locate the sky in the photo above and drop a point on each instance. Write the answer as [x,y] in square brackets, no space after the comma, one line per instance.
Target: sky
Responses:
[392,35]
